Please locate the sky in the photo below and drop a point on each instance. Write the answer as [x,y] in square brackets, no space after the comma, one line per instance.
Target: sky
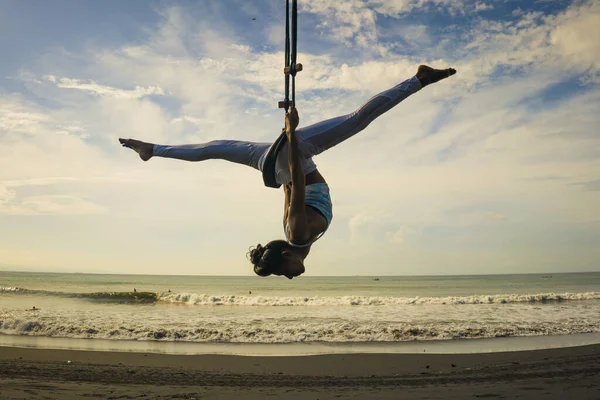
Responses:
[496,170]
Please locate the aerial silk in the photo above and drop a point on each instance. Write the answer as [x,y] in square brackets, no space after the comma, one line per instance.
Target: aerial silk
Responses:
[290,70]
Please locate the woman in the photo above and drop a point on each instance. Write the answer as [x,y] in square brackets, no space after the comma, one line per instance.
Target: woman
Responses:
[308,208]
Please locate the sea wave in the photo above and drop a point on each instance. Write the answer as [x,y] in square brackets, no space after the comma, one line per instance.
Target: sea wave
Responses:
[304,301]
[144,297]
[123,297]
[276,301]
[234,331]
[11,289]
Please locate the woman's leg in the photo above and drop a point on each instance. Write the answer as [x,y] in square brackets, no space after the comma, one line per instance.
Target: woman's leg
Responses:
[317,138]
[246,153]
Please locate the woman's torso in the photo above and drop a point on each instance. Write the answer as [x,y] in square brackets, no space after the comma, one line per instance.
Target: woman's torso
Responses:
[318,208]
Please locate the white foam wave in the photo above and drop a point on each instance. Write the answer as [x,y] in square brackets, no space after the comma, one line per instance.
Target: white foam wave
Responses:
[234,331]
[274,301]
[11,289]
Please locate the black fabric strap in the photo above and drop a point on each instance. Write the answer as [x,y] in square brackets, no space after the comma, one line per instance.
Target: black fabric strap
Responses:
[268,170]
[269,165]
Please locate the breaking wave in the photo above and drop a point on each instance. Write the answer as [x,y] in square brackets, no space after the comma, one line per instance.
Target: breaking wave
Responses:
[122,297]
[11,289]
[207,300]
[234,331]
[279,301]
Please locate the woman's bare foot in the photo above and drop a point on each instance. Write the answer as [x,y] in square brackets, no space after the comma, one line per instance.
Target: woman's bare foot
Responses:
[142,148]
[428,75]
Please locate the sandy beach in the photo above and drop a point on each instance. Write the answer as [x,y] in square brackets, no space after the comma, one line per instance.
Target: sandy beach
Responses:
[70,374]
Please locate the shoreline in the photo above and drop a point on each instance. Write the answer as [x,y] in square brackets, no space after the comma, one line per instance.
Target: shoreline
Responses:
[314,365]
[449,346]
[551,373]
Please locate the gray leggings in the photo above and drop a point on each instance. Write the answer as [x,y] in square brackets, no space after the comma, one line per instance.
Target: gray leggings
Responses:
[312,140]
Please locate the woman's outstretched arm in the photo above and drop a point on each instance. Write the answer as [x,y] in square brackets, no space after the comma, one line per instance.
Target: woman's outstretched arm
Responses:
[297,218]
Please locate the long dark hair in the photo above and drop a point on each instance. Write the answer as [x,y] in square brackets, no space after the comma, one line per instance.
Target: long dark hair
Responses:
[267,259]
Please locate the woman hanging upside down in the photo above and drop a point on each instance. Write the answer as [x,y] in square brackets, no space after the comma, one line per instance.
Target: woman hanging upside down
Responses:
[307,211]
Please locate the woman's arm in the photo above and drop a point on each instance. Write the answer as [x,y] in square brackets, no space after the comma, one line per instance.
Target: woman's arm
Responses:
[297,218]
[287,191]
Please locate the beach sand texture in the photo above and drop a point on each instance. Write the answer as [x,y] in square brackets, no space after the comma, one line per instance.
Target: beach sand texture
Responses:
[567,373]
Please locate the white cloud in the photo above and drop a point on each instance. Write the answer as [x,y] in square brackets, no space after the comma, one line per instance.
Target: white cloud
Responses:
[44,204]
[399,236]
[102,90]
[15,119]
[348,21]
[6,195]
[241,47]
[354,22]
[397,7]
[62,204]
[480,6]
[576,37]
[564,43]
[20,117]
[357,224]
[395,237]
[495,216]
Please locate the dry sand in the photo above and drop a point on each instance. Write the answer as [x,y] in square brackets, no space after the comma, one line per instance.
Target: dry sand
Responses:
[567,373]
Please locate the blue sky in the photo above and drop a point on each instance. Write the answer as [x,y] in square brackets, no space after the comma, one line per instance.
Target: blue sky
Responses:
[493,171]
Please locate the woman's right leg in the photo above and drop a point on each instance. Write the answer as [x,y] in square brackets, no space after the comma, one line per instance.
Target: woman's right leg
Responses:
[246,153]
[240,152]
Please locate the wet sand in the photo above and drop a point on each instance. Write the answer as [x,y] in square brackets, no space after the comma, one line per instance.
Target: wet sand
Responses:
[565,373]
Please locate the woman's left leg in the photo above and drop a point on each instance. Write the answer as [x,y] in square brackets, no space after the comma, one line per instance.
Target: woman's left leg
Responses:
[317,138]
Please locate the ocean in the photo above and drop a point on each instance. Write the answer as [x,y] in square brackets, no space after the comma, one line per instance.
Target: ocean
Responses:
[336,310]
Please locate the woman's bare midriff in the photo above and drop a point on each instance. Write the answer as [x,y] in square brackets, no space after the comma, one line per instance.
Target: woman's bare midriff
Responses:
[316,219]
[314,177]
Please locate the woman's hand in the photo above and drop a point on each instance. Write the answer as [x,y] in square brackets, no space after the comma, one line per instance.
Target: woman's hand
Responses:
[291,121]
